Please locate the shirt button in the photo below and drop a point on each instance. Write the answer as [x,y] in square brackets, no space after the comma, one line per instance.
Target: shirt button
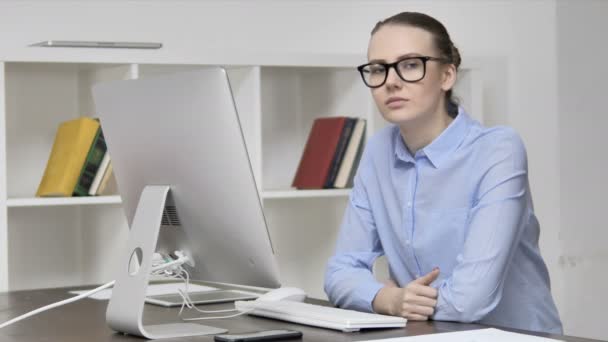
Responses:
[409,204]
[407,242]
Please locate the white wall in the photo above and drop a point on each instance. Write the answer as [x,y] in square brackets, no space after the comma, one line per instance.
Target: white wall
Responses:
[514,42]
[582,77]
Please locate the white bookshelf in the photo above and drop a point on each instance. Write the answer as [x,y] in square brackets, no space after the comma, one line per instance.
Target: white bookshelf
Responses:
[76,240]
[62,201]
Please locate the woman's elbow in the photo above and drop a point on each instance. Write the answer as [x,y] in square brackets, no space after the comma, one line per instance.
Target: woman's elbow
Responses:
[475,308]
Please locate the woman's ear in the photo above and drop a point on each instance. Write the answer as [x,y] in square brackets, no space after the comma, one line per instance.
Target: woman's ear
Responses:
[448,78]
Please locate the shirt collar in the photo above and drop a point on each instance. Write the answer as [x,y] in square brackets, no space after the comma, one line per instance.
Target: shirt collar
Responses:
[401,151]
[439,150]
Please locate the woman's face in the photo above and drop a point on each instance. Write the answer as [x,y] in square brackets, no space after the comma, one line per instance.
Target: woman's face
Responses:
[401,102]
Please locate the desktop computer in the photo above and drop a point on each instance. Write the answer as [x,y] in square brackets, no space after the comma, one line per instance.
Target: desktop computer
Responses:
[186,183]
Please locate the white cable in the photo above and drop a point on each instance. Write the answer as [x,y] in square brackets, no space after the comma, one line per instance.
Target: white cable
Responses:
[187,301]
[179,261]
[54,305]
[220,317]
[190,304]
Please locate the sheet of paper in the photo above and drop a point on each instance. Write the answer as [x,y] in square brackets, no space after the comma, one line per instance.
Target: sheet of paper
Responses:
[153,290]
[482,335]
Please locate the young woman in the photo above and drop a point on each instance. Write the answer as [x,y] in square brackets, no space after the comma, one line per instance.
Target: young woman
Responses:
[445,199]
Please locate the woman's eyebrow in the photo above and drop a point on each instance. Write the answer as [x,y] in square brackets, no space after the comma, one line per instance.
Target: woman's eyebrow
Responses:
[411,54]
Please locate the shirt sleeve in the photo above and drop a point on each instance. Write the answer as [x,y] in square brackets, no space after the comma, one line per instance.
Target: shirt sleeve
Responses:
[496,223]
[349,282]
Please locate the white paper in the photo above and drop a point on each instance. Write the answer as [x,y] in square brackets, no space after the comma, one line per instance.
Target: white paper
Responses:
[482,335]
[153,290]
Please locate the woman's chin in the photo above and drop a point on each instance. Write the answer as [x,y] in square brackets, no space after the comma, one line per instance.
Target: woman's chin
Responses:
[399,117]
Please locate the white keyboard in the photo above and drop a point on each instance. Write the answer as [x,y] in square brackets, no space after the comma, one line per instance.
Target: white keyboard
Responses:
[319,316]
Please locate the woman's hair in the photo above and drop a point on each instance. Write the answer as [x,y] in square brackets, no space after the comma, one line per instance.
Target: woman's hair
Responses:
[442,42]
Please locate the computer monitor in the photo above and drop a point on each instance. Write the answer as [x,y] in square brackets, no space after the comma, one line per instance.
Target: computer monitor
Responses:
[179,157]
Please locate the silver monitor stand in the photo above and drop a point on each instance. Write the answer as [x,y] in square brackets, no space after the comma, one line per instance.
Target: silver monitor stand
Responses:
[125,310]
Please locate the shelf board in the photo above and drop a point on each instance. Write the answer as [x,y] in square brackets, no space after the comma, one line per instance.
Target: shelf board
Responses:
[93,200]
[292,193]
[56,201]
[228,57]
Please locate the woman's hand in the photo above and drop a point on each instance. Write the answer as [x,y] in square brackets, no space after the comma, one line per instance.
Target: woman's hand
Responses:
[416,301]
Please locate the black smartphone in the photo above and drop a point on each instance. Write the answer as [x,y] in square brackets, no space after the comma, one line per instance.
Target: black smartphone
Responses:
[265,335]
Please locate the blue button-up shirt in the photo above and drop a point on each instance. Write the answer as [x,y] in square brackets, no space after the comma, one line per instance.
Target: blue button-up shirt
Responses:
[463,204]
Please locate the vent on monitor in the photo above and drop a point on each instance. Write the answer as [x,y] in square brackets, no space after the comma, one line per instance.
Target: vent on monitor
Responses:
[170,217]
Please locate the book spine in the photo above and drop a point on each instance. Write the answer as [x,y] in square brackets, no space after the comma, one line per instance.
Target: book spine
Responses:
[355,167]
[99,175]
[350,154]
[107,176]
[318,154]
[339,154]
[92,163]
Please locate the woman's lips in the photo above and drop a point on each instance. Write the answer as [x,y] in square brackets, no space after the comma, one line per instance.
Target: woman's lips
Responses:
[396,102]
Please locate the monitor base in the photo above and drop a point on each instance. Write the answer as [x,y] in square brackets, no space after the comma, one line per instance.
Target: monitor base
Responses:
[126,306]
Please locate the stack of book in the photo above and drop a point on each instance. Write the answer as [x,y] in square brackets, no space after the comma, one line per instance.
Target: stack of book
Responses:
[331,154]
[79,164]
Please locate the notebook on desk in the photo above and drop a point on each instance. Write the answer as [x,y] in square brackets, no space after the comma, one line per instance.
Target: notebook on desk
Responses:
[480,335]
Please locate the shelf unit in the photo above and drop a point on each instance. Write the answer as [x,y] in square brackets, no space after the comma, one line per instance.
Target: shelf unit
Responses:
[46,242]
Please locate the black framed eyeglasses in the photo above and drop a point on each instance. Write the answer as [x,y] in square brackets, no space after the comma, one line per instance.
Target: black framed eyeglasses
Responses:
[409,69]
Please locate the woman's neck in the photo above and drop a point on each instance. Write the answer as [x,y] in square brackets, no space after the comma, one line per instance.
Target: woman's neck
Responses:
[420,132]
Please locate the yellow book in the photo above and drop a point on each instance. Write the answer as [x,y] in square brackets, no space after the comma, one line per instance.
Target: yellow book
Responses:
[72,143]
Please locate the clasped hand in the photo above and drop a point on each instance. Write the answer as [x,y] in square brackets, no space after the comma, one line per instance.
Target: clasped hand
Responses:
[416,301]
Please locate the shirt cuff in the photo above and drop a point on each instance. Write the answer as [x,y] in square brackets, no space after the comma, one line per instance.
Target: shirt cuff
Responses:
[368,292]
[441,302]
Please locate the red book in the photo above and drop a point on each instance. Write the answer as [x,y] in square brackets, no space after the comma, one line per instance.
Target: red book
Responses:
[318,154]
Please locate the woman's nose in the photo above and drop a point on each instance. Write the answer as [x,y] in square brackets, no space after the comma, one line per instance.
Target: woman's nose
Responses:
[392,79]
